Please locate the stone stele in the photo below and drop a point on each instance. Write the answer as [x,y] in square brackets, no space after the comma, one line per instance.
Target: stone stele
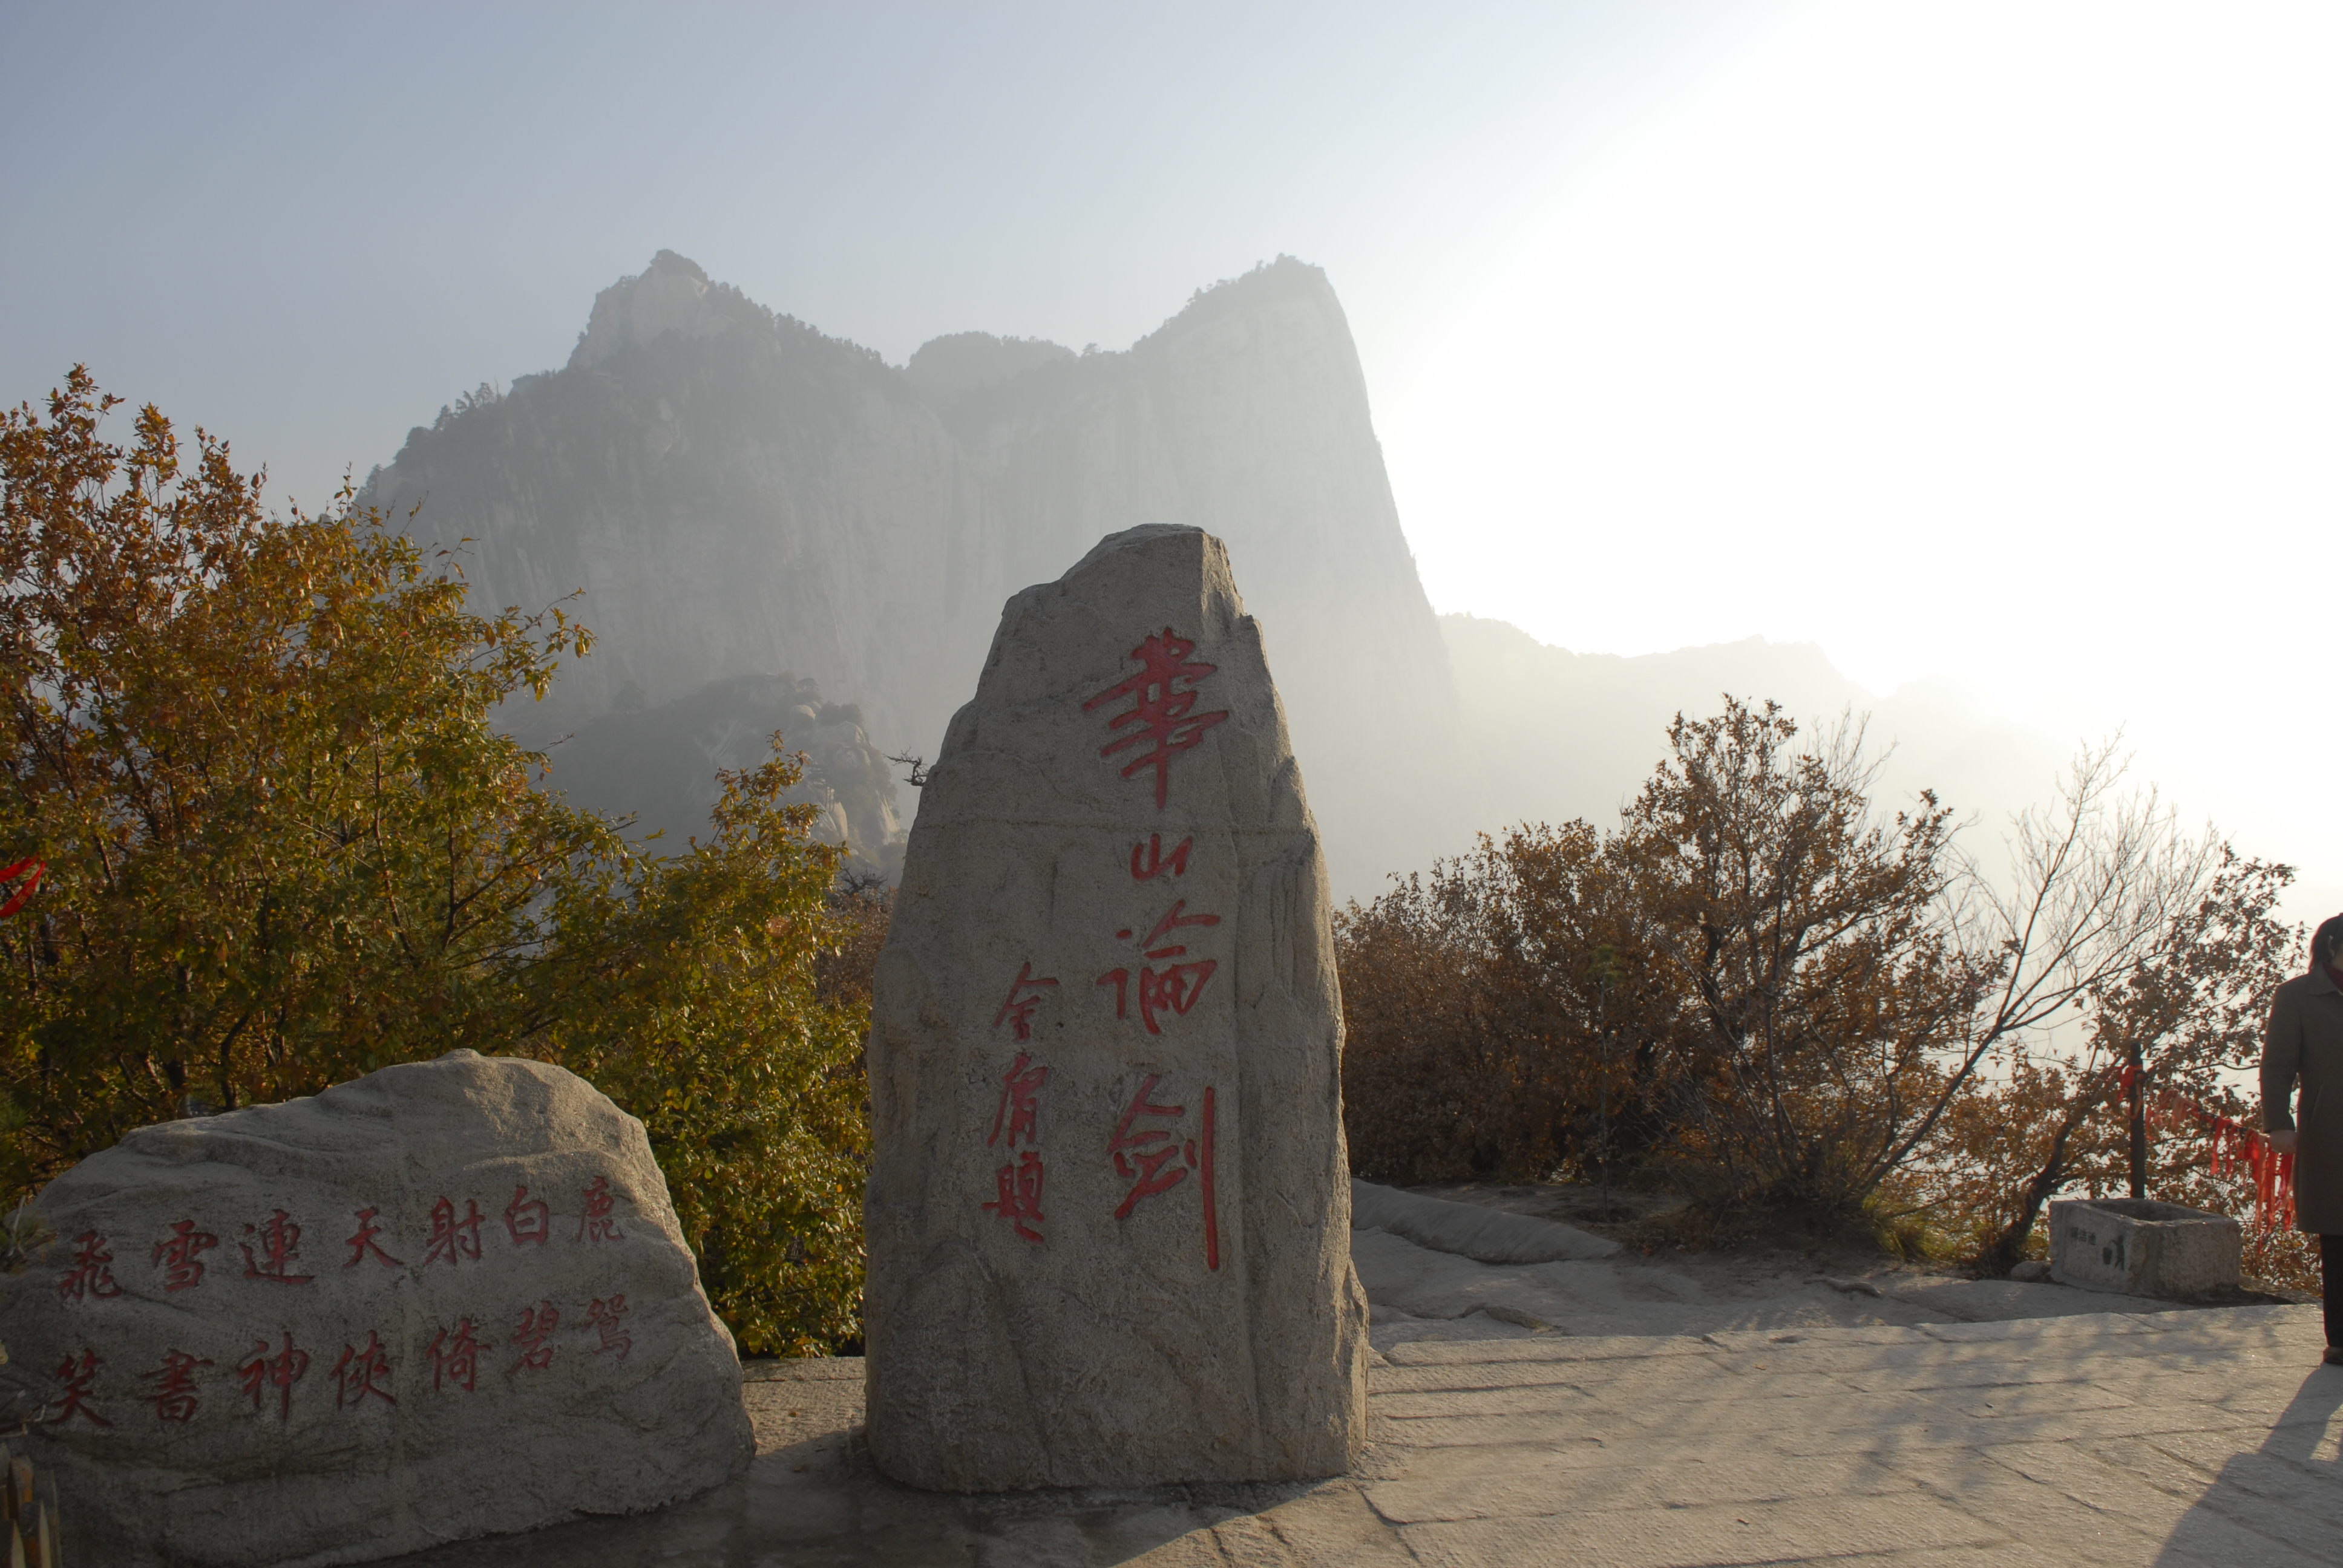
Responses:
[1109,1211]
[448,1298]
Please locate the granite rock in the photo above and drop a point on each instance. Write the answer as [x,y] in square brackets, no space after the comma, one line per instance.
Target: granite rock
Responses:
[1108,1217]
[448,1299]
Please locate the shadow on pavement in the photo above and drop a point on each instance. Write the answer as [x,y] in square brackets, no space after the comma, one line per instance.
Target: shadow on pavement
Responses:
[818,1502]
[2291,1479]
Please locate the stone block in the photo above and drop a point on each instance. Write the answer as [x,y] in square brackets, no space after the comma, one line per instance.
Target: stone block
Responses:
[1108,1217]
[445,1300]
[2139,1247]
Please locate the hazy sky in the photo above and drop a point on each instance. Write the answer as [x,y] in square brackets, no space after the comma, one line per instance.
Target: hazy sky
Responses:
[1999,340]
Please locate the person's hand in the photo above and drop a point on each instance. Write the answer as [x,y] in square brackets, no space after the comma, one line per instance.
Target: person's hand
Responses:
[2283,1141]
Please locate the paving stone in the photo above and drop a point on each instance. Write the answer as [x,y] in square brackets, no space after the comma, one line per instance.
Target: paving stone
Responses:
[1718,1534]
[1575,1348]
[2171,1439]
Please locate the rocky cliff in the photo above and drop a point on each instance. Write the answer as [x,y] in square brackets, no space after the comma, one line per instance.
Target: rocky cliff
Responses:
[738,495]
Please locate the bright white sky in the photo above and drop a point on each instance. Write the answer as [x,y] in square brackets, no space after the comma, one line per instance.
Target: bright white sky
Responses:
[1992,339]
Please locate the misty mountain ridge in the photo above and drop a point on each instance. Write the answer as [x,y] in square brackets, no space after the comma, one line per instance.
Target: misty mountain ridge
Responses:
[740,495]
[658,764]
[1940,733]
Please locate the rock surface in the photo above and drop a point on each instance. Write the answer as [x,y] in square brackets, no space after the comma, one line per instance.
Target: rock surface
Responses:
[1471,1229]
[448,1298]
[1108,1216]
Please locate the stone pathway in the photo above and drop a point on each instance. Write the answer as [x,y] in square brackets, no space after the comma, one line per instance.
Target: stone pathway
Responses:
[2131,1437]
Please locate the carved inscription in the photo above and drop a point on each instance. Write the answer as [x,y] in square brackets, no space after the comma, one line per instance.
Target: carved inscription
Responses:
[273,1374]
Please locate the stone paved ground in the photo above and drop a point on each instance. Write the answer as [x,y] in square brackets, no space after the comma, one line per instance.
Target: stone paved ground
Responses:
[2167,1438]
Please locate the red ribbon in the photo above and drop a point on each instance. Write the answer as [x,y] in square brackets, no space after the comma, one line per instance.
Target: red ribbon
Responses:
[9,874]
[2236,1147]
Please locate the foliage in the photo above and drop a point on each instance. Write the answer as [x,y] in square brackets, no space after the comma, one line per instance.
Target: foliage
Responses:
[2184,1013]
[1765,991]
[286,846]
[690,990]
[1805,939]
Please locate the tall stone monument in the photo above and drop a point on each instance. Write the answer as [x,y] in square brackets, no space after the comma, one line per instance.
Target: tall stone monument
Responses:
[1109,1216]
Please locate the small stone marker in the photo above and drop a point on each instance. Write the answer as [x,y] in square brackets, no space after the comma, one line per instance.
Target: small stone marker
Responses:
[2144,1247]
[448,1298]
[1109,1213]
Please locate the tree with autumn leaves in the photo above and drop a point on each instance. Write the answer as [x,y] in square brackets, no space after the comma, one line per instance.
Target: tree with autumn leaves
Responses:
[1765,990]
[284,845]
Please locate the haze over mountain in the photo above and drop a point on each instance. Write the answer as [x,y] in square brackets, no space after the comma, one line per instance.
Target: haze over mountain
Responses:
[738,495]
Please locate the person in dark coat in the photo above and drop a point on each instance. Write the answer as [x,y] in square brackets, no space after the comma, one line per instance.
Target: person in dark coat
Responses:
[2306,1042]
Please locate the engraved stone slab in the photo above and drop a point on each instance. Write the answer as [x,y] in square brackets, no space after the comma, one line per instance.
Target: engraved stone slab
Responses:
[1109,1211]
[448,1298]
[2144,1247]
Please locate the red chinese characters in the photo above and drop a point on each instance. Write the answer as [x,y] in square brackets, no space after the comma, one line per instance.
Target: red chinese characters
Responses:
[1018,1185]
[1155,861]
[537,1326]
[180,1256]
[1162,714]
[452,1239]
[454,1357]
[1016,1008]
[361,1373]
[362,1245]
[279,1241]
[528,1221]
[91,1273]
[174,1398]
[596,1224]
[605,1315]
[1021,1101]
[1019,1196]
[1154,1160]
[260,1372]
[74,1390]
[1172,988]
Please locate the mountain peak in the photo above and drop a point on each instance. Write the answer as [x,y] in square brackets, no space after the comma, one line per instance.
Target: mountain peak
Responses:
[672,294]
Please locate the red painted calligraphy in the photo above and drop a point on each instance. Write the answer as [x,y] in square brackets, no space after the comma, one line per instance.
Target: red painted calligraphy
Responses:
[1019,1199]
[1021,1101]
[364,1243]
[1157,861]
[456,1361]
[261,1372]
[74,1391]
[1141,1156]
[91,1273]
[454,1239]
[1145,1156]
[174,1398]
[361,1373]
[1170,922]
[180,1256]
[1162,708]
[1172,988]
[527,1222]
[280,1245]
[537,1326]
[1017,1009]
[605,1315]
[596,1224]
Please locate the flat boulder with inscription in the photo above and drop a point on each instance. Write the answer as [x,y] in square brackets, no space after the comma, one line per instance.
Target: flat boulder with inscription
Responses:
[1108,1211]
[448,1298]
